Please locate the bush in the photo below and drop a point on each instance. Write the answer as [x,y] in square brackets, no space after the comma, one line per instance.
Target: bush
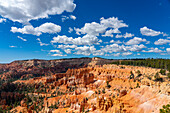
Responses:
[99,91]
[103,91]
[138,72]
[131,77]
[137,85]
[168,75]
[108,85]
[166,109]
[163,71]
[149,77]
[158,78]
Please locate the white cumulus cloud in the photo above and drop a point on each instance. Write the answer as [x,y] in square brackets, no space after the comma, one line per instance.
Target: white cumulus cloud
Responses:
[149,32]
[99,28]
[153,50]
[85,40]
[135,41]
[68,51]
[88,50]
[56,53]
[126,35]
[109,33]
[114,48]
[136,47]
[91,29]
[25,10]
[115,42]
[85,50]
[127,53]
[44,28]
[116,54]
[66,46]
[162,42]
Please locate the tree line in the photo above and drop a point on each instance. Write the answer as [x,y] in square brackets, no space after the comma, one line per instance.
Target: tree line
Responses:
[154,63]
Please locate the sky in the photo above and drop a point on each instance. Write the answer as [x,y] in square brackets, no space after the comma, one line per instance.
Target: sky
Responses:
[55,29]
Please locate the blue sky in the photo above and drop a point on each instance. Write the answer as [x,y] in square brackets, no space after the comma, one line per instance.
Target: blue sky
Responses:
[54,29]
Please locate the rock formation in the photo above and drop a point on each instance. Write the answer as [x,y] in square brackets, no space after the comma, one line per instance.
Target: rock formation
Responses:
[84,85]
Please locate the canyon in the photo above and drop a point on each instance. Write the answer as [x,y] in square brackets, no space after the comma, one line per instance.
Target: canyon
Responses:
[93,85]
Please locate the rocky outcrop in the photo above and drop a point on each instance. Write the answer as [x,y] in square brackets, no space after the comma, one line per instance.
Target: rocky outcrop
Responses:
[80,76]
[145,100]
[96,88]
[23,102]
[33,68]
[104,103]
[123,93]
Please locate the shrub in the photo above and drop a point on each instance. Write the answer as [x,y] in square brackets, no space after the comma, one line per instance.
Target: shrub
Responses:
[132,75]
[163,71]
[158,78]
[138,72]
[149,78]
[99,91]
[166,109]
[168,75]
[137,85]
[108,85]
[103,91]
